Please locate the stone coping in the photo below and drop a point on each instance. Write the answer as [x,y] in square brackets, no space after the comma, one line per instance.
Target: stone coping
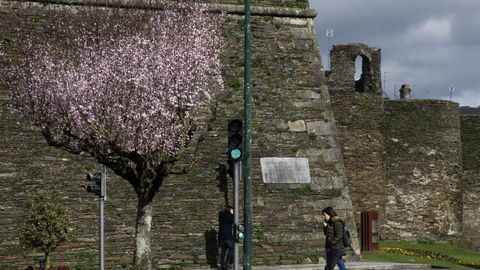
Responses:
[141,4]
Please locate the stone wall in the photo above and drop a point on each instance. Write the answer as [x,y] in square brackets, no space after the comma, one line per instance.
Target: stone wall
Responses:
[471,179]
[358,110]
[235,4]
[402,158]
[292,117]
[423,162]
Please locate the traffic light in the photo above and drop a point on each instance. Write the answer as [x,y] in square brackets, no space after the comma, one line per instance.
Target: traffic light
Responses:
[235,140]
[100,186]
[239,232]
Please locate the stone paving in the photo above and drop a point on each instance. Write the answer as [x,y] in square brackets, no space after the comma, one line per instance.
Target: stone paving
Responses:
[350,266]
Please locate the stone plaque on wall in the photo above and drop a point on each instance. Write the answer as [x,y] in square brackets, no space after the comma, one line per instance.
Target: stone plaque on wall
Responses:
[285,170]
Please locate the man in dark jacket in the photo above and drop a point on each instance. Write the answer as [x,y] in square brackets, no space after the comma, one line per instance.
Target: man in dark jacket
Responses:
[225,237]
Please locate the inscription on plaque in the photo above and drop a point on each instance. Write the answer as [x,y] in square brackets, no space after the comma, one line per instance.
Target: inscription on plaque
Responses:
[285,170]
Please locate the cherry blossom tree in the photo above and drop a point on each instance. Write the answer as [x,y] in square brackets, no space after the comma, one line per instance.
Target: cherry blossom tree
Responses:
[124,87]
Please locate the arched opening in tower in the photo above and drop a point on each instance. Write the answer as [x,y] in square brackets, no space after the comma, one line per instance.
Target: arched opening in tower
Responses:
[362,74]
[358,67]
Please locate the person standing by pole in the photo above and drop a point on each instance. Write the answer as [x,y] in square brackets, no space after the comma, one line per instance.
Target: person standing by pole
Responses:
[225,237]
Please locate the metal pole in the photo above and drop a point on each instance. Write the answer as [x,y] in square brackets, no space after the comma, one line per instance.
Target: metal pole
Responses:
[101,233]
[329,34]
[237,169]
[384,86]
[451,88]
[394,91]
[328,50]
[101,229]
[247,242]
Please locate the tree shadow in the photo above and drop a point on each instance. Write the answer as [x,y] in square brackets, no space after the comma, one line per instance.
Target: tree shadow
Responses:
[222,181]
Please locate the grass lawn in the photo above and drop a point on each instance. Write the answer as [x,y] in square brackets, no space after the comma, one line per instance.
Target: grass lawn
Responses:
[445,249]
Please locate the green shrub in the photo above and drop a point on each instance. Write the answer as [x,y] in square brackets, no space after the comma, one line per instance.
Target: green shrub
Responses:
[46,227]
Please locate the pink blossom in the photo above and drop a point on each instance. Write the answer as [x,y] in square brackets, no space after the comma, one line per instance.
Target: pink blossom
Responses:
[111,86]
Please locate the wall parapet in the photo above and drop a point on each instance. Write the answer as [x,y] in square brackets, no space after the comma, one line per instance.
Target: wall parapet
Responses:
[233,9]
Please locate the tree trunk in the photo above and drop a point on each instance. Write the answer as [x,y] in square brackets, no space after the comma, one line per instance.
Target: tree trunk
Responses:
[143,252]
[47,261]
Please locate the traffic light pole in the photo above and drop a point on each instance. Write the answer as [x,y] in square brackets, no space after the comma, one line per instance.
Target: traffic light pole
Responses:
[99,189]
[247,99]
[237,172]
[102,259]
[101,221]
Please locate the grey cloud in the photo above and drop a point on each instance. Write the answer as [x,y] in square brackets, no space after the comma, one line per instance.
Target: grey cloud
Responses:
[429,43]
[465,29]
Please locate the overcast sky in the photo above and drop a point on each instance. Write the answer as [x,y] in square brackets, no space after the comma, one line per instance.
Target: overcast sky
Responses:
[429,44]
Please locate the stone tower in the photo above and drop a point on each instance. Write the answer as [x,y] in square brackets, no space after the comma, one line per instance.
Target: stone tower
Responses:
[424,170]
[470,125]
[358,110]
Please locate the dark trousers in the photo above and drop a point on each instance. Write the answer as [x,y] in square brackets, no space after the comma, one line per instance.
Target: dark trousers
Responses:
[226,255]
[332,257]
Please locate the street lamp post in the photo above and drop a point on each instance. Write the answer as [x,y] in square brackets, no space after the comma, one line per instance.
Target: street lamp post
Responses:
[329,34]
[451,88]
[394,91]
[384,86]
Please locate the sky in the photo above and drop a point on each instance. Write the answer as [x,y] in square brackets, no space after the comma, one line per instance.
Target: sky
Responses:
[433,45]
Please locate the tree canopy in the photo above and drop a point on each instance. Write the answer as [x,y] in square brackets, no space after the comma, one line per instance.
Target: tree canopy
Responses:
[127,82]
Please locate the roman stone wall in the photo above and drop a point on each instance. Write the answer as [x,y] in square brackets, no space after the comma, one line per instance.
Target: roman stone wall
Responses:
[236,4]
[358,110]
[402,158]
[471,179]
[423,161]
[292,117]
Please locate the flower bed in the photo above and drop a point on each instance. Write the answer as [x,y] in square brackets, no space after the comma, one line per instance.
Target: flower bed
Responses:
[429,255]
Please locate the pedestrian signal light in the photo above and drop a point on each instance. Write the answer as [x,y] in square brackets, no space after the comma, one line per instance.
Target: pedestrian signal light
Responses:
[239,232]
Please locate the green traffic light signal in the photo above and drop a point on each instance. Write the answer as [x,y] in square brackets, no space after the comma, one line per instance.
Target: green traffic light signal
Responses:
[235,153]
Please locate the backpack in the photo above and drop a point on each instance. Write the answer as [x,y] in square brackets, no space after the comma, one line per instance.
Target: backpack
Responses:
[347,240]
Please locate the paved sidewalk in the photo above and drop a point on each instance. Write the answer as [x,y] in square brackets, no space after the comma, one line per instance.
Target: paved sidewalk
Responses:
[350,266]
[363,265]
